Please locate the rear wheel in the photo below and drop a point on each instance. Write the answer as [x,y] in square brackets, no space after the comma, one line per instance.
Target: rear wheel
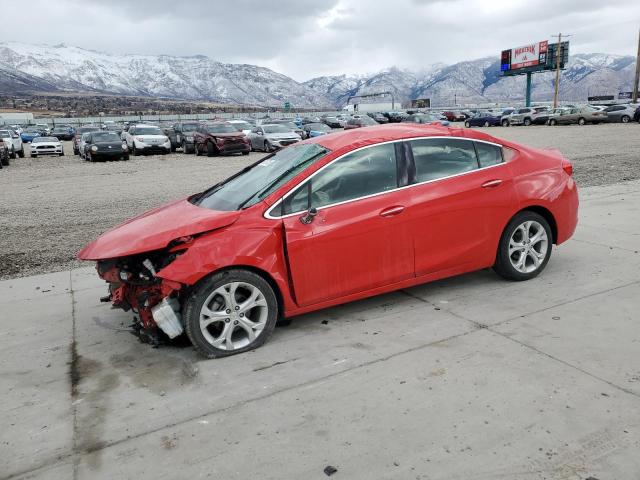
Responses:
[505,123]
[267,147]
[525,247]
[527,122]
[230,312]
[625,119]
[467,124]
[553,122]
[486,124]
[581,121]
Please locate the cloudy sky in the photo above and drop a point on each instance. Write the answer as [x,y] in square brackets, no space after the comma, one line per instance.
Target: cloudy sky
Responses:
[308,38]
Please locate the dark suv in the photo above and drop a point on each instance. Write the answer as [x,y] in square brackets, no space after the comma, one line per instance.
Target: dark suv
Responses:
[181,135]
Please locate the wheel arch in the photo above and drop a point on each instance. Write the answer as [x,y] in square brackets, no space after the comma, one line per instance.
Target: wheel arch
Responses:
[544,213]
[266,276]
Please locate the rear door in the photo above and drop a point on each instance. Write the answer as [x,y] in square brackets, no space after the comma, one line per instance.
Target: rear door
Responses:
[459,205]
[360,238]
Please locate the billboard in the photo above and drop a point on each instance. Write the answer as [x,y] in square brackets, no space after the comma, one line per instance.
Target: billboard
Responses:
[534,57]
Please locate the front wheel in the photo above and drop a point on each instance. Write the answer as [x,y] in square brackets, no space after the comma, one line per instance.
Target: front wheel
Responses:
[21,153]
[505,123]
[525,247]
[553,122]
[581,121]
[210,149]
[467,124]
[230,312]
[486,124]
[625,119]
[527,122]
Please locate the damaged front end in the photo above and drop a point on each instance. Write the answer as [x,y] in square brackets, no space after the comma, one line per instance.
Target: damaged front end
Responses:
[134,285]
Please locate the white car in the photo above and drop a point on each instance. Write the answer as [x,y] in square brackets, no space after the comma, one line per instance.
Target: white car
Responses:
[146,139]
[44,127]
[13,142]
[46,146]
[241,126]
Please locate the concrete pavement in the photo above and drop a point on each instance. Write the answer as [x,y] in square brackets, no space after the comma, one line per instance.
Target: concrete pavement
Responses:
[470,377]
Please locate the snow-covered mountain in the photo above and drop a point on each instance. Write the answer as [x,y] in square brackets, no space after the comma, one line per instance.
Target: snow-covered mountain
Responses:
[192,78]
[479,81]
[36,68]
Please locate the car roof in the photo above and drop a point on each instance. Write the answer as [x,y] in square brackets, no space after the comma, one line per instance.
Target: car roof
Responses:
[362,137]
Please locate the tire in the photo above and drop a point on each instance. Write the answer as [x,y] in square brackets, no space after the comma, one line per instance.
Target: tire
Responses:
[12,155]
[553,122]
[581,121]
[513,239]
[625,119]
[527,122]
[21,152]
[206,296]
[245,153]
[266,146]
[505,123]
[211,151]
[195,150]
[486,124]
[467,124]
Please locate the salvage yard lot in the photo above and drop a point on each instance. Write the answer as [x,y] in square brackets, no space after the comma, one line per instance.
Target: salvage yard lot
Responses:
[469,377]
[50,207]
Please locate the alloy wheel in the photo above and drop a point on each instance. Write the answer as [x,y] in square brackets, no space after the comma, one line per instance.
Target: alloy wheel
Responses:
[233,316]
[528,246]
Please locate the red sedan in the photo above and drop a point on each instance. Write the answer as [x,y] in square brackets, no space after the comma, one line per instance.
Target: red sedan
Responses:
[334,219]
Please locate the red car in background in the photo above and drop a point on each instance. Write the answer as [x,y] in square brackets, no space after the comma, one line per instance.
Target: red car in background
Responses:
[219,138]
[334,219]
[78,134]
[454,116]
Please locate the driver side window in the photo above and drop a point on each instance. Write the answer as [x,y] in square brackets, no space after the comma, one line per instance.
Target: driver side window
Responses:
[364,172]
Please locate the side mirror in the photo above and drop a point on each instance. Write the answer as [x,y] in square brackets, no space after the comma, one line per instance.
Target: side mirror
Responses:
[308,217]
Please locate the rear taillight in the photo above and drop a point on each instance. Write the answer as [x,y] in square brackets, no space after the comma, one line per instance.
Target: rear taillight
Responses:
[567,167]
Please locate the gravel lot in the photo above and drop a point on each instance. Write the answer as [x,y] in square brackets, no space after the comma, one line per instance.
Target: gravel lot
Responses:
[50,207]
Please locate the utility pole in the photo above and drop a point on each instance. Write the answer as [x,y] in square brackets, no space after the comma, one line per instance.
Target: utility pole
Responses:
[558,57]
[637,77]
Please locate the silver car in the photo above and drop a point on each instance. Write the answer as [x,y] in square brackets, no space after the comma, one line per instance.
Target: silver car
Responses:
[620,113]
[270,137]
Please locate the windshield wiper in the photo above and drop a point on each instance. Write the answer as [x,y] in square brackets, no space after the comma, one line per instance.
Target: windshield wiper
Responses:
[280,177]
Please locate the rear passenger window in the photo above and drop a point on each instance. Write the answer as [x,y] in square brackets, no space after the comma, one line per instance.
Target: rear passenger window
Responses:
[442,157]
[488,154]
[364,172]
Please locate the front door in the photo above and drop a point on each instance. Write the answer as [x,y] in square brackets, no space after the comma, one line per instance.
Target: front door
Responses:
[360,238]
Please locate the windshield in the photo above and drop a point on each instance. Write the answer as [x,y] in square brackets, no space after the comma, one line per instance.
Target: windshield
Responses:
[45,139]
[88,129]
[148,131]
[4,134]
[32,130]
[105,137]
[256,182]
[318,126]
[276,129]
[189,127]
[241,126]
[220,128]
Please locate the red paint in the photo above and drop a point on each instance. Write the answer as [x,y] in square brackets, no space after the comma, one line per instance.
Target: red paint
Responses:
[361,248]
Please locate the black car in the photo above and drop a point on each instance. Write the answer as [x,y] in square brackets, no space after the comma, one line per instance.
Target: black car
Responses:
[4,154]
[394,117]
[63,132]
[378,117]
[181,135]
[636,115]
[105,146]
[331,121]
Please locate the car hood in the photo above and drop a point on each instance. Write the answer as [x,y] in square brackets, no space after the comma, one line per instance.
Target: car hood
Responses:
[229,135]
[151,138]
[278,136]
[46,144]
[154,230]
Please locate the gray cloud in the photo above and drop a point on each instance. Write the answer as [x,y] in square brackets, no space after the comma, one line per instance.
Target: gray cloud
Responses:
[304,38]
